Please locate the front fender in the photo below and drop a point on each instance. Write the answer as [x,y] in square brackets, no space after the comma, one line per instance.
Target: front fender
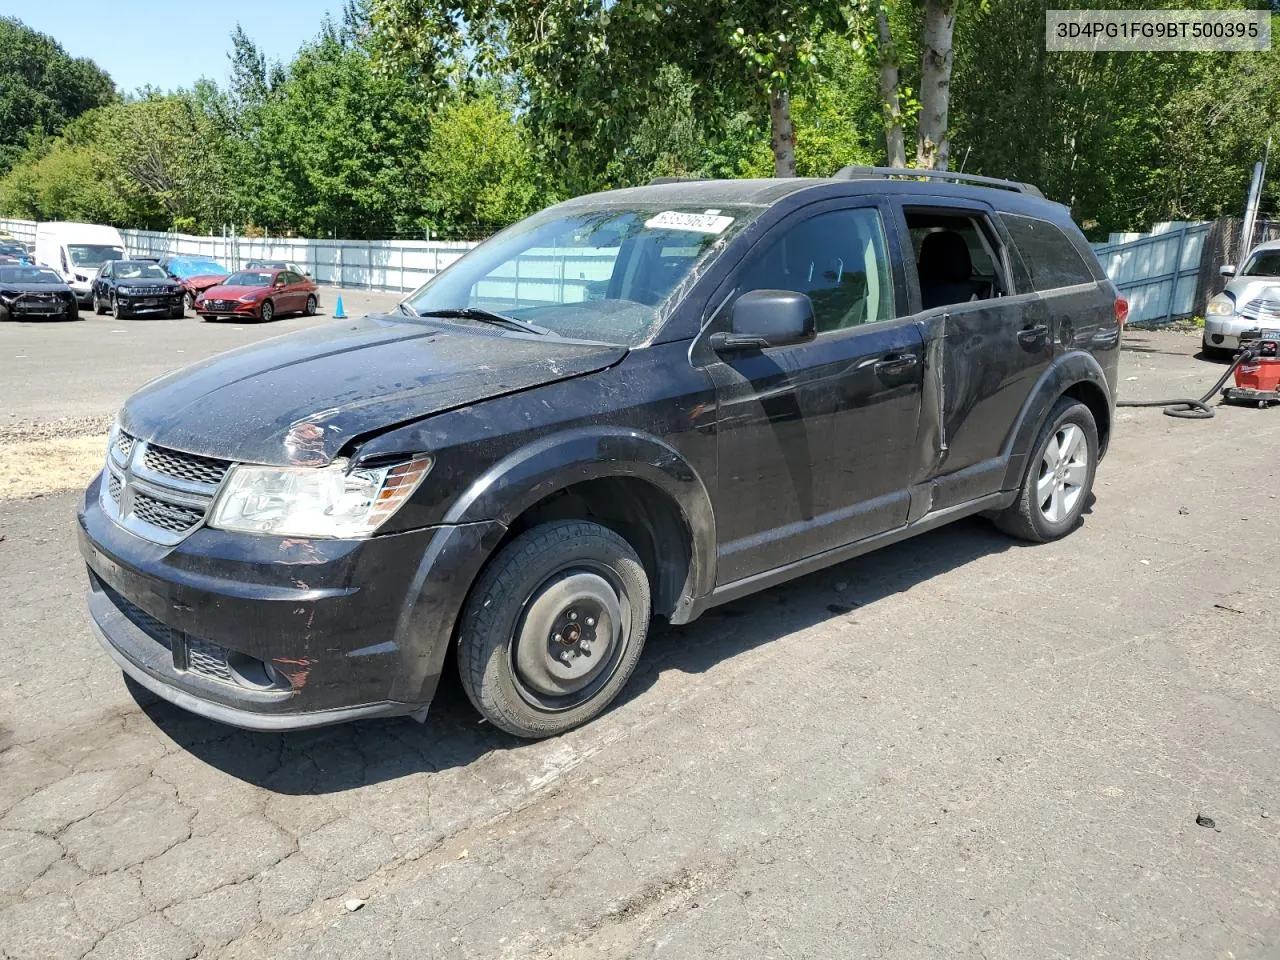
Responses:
[1065,372]
[532,473]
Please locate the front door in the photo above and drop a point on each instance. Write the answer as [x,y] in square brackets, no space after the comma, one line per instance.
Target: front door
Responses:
[816,441]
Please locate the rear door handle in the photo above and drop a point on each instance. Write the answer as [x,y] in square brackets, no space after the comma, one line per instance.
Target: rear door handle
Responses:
[1031,334]
[896,364]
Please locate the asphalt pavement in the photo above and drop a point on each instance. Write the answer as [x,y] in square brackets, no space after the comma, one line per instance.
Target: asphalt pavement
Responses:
[956,747]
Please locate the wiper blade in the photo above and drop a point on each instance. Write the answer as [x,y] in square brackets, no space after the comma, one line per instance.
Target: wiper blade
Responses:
[488,316]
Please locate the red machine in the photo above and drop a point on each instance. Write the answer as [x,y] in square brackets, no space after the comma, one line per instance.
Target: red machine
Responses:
[1258,373]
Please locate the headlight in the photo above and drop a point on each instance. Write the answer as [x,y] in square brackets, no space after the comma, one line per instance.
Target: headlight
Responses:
[249,298]
[1221,306]
[334,501]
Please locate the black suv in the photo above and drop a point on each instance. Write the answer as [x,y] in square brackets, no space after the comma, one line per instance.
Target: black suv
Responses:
[135,288]
[646,401]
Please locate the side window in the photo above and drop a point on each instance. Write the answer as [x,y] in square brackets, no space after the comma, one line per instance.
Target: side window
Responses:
[839,259]
[1050,257]
[956,257]
[106,270]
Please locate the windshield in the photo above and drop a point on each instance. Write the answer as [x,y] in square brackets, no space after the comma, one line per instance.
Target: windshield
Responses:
[600,274]
[93,254]
[248,278]
[139,271]
[1264,263]
[28,275]
[195,268]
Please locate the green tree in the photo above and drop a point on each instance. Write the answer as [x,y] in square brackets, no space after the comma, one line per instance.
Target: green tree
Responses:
[41,88]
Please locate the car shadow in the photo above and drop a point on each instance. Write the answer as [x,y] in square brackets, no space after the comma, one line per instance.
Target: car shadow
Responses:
[453,735]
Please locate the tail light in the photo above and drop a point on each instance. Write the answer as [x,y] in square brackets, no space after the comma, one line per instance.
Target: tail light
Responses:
[1122,310]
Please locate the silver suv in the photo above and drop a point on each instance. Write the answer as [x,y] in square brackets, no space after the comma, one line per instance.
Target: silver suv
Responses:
[1250,301]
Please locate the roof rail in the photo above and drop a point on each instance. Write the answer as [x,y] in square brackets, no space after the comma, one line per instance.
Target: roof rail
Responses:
[870,173]
[659,181]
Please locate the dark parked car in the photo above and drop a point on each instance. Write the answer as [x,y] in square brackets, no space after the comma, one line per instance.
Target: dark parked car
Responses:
[135,288]
[196,274]
[16,252]
[28,292]
[643,402]
[259,294]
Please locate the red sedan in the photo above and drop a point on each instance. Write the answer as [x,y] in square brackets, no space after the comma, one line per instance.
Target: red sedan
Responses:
[259,295]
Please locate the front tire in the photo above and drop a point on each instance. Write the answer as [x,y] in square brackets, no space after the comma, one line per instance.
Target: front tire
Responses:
[1215,353]
[268,311]
[554,628]
[116,310]
[98,308]
[1058,478]
[188,301]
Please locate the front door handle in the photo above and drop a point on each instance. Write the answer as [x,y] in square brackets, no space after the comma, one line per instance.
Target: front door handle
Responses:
[896,364]
[1032,334]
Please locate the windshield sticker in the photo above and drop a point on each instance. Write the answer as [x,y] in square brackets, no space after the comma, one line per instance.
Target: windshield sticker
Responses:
[693,222]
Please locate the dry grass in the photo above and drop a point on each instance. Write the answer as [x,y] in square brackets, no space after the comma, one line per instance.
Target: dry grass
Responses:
[32,467]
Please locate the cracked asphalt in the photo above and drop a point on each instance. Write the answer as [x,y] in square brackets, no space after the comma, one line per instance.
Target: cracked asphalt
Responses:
[956,747]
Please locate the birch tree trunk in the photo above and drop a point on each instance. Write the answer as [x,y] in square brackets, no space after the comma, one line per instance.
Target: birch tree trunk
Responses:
[783,134]
[936,56]
[890,101]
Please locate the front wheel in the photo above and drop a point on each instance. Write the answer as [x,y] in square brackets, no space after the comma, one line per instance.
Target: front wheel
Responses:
[116,310]
[268,311]
[1059,476]
[98,308]
[188,301]
[554,628]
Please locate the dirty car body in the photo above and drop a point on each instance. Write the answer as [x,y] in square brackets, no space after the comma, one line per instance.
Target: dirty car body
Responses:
[640,399]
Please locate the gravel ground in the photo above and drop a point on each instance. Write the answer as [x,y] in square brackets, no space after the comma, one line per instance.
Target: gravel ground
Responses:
[958,747]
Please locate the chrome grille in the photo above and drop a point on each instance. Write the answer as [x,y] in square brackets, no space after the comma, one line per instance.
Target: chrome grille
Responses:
[177,518]
[1261,309]
[156,492]
[185,466]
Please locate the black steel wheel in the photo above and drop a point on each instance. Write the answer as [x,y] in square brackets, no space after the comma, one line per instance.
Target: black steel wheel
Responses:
[554,628]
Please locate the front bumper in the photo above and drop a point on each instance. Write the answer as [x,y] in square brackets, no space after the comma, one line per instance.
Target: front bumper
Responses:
[248,310]
[161,303]
[83,291]
[1224,332]
[272,633]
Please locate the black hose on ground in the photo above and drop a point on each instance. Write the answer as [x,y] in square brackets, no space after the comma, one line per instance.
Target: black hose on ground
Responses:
[1191,409]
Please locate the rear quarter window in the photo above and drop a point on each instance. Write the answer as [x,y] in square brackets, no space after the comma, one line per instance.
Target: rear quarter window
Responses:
[1050,257]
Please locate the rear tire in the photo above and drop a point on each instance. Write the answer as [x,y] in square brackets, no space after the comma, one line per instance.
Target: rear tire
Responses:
[310,309]
[1059,476]
[554,628]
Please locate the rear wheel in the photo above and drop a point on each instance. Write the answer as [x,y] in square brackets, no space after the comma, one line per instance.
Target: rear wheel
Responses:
[554,628]
[1059,476]
[268,311]
[310,309]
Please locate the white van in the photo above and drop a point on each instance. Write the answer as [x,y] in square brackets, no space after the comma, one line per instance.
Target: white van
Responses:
[76,251]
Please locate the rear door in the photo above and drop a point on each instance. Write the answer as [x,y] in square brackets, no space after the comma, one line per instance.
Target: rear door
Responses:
[816,441]
[987,339]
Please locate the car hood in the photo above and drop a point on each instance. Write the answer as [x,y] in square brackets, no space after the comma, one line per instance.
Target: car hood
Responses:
[221,292]
[34,288]
[303,397]
[1247,289]
[147,282]
[205,280]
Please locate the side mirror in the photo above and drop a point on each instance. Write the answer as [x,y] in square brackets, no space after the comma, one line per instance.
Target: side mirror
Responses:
[1228,270]
[306,273]
[767,318]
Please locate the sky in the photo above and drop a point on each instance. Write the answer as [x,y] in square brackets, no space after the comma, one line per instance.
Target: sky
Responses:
[174,43]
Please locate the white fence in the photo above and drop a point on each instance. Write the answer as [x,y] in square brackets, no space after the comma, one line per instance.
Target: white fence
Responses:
[1157,272]
[394,265]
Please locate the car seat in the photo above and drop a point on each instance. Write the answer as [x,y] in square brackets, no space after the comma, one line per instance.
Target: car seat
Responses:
[946,270]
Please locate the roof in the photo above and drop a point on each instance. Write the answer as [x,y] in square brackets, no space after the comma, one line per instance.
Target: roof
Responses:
[766,192]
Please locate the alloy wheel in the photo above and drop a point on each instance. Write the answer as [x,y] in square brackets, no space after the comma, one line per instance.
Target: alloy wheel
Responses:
[1064,469]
